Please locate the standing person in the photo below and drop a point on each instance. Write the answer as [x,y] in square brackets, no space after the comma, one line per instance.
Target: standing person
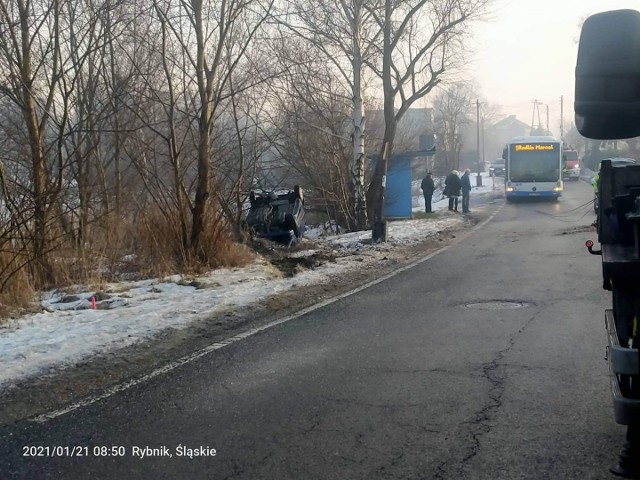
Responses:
[465,182]
[452,189]
[427,187]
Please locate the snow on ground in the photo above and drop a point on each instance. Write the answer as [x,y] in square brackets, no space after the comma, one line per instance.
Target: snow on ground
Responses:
[70,330]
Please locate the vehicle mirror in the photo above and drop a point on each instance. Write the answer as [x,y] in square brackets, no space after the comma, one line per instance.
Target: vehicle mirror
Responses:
[607,94]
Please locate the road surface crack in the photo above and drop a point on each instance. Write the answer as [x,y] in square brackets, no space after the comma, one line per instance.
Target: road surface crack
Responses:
[495,372]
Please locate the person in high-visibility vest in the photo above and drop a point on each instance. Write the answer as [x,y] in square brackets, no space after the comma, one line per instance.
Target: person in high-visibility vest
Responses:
[595,183]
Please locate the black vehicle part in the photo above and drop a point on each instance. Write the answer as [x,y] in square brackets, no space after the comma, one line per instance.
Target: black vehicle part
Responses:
[607,106]
[619,234]
[277,217]
[607,97]
[628,466]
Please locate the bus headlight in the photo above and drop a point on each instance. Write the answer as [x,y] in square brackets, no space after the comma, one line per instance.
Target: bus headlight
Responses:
[558,187]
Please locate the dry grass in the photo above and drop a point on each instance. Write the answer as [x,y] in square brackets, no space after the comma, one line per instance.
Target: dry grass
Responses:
[17,293]
[159,246]
[147,246]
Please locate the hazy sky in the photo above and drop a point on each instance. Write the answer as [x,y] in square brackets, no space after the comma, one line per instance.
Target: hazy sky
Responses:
[528,51]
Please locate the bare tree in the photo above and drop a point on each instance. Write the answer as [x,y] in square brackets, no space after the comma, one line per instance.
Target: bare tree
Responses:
[32,67]
[44,45]
[453,108]
[83,109]
[421,41]
[312,110]
[242,142]
[214,36]
[344,31]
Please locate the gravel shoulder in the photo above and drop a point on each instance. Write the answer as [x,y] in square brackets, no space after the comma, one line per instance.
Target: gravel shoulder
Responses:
[60,387]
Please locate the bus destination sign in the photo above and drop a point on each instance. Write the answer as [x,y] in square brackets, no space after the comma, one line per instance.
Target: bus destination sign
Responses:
[535,147]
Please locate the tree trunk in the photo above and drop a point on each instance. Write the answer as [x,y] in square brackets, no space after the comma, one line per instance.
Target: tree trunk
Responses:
[379,182]
[39,177]
[358,166]
[203,183]
[205,78]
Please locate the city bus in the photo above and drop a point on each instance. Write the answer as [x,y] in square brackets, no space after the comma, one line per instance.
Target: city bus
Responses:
[533,167]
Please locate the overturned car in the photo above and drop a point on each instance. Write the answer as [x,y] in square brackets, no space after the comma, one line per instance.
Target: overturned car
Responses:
[277,217]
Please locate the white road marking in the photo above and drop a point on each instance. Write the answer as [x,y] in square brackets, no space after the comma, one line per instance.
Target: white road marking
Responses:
[121,387]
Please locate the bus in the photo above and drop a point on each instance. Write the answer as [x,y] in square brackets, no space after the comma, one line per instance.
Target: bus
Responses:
[533,167]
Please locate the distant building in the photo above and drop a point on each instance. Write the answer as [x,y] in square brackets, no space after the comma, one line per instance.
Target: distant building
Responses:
[498,134]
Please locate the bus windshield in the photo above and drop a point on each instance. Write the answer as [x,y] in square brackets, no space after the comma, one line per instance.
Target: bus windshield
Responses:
[534,165]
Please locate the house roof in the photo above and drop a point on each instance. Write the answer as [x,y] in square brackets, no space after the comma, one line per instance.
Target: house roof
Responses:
[508,123]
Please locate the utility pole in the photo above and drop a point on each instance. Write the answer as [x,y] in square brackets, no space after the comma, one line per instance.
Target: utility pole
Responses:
[561,118]
[484,163]
[548,131]
[536,109]
[478,178]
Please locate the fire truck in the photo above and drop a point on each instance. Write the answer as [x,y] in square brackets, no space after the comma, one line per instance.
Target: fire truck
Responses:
[570,164]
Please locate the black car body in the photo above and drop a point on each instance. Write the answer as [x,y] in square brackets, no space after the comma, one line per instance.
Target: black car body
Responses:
[277,217]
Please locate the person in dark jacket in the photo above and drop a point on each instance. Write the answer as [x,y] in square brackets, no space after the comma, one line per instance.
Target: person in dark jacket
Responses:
[452,189]
[465,183]
[427,187]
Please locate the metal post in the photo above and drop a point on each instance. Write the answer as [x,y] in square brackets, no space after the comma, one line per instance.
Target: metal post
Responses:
[478,178]
[561,118]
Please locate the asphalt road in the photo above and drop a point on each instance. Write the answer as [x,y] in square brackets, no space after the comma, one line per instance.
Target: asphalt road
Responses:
[483,362]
